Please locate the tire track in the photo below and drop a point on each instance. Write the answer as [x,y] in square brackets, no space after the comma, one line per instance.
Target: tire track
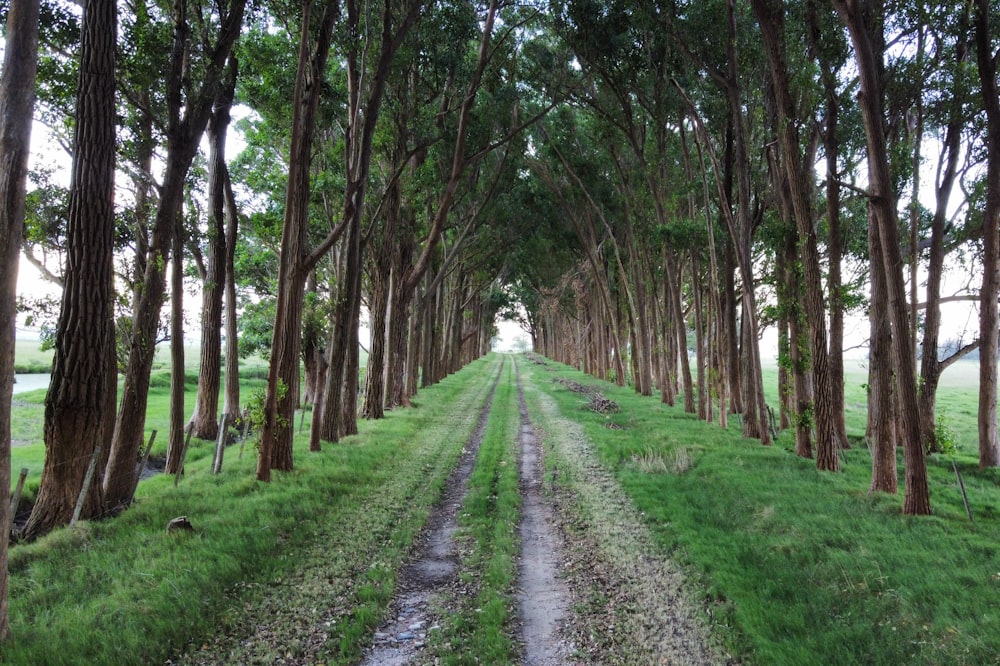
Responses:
[543,595]
[647,615]
[434,565]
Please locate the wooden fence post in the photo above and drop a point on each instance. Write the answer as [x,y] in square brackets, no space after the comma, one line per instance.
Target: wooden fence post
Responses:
[86,487]
[220,444]
[184,449]
[961,486]
[145,459]
[246,431]
[16,498]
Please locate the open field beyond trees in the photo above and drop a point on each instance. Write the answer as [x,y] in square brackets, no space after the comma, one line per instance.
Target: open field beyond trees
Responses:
[782,563]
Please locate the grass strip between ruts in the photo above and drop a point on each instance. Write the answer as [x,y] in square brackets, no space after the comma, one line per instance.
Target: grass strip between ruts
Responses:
[481,628]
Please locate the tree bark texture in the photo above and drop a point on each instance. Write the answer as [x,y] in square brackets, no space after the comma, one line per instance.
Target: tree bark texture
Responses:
[175,446]
[989,315]
[798,171]
[882,411]
[280,398]
[930,366]
[79,406]
[205,421]
[231,403]
[187,122]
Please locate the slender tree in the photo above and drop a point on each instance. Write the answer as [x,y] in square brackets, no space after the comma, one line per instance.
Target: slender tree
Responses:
[204,420]
[799,178]
[17,101]
[178,373]
[283,377]
[989,315]
[863,21]
[189,107]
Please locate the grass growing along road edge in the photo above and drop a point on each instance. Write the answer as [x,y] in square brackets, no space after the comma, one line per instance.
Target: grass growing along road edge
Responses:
[794,566]
[125,592]
[798,566]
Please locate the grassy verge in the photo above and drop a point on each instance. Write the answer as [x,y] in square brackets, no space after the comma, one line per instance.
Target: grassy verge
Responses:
[480,630]
[28,420]
[127,592]
[798,566]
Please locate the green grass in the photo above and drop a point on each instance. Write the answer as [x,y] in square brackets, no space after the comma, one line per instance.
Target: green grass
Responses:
[957,400]
[799,566]
[29,357]
[481,630]
[125,591]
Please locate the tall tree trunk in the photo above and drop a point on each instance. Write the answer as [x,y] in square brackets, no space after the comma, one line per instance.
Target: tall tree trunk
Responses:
[835,283]
[882,412]
[382,248]
[861,21]
[352,362]
[798,349]
[79,407]
[414,345]
[280,398]
[326,413]
[204,421]
[989,316]
[930,366]
[699,341]
[786,388]
[184,132]
[673,289]
[729,309]
[798,171]
[17,102]
[313,343]
[338,360]
[175,445]
[739,224]
[231,402]
[365,92]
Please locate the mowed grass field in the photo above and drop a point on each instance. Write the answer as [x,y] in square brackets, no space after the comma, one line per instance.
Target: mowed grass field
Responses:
[28,414]
[957,399]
